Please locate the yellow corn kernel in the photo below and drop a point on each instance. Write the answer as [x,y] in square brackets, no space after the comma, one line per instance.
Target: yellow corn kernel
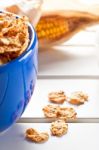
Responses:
[51,27]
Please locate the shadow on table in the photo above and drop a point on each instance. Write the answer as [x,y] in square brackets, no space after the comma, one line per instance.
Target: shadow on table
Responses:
[14,139]
[52,58]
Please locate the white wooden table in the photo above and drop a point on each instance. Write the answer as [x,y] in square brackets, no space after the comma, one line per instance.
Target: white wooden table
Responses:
[69,67]
[80,136]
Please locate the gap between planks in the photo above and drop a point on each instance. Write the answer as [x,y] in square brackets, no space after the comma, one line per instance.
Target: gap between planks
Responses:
[45,120]
[80,77]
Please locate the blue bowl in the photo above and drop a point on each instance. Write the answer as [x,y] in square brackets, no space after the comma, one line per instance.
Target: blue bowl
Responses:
[17,81]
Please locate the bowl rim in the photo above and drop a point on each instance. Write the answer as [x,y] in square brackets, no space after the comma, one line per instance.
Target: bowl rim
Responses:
[28,49]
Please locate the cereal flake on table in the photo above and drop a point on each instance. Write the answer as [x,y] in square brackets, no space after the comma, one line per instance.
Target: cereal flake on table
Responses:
[36,136]
[78,98]
[57,97]
[59,128]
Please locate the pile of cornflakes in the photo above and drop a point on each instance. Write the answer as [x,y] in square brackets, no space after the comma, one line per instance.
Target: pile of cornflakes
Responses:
[14,36]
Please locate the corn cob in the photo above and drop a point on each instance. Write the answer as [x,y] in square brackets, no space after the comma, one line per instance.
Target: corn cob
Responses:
[56,27]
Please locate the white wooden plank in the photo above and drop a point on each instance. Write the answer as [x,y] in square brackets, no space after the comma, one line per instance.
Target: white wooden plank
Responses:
[92,28]
[40,97]
[68,60]
[82,38]
[79,137]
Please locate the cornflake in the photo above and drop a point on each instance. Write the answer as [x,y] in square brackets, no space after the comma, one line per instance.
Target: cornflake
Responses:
[36,136]
[14,36]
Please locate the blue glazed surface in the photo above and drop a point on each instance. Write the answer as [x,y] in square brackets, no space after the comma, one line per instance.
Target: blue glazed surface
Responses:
[17,82]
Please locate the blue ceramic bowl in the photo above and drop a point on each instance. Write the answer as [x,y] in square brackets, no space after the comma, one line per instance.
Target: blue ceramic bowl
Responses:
[17,81]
